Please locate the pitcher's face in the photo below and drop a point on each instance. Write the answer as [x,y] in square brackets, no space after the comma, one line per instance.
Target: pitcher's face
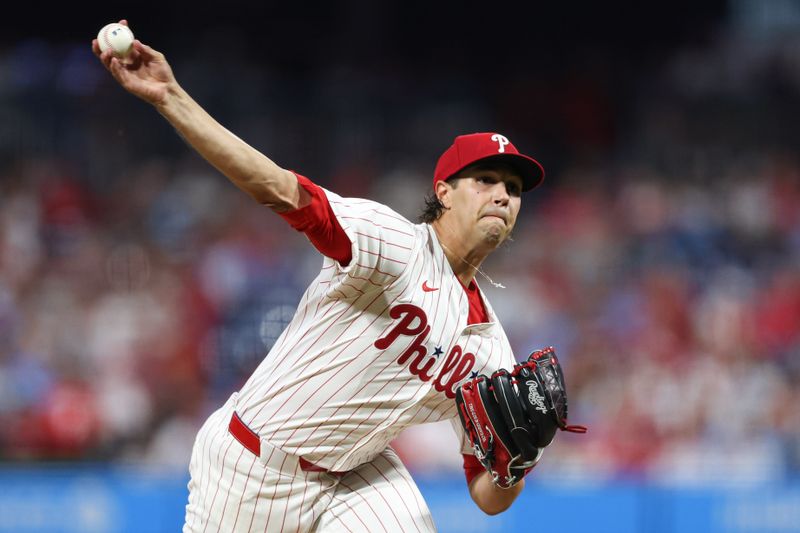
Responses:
[484,204]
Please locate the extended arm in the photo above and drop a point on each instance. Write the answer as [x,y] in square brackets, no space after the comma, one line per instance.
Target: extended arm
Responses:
[146,74]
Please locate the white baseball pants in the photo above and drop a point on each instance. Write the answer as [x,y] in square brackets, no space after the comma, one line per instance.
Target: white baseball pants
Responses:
[232,490]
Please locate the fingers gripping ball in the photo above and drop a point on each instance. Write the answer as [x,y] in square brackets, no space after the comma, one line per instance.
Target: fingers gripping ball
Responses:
[116,37]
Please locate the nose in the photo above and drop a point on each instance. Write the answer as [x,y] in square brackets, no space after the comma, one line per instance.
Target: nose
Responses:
[500,194]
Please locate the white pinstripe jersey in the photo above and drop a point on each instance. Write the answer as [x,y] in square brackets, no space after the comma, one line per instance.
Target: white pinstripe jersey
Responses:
[374,347]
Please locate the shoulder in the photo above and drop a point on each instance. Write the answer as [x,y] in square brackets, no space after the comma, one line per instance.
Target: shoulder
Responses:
[361,212]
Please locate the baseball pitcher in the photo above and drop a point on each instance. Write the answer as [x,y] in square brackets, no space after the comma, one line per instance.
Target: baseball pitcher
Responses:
[394,331]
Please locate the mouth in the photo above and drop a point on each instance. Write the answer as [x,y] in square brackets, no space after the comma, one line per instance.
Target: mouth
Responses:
[500,216]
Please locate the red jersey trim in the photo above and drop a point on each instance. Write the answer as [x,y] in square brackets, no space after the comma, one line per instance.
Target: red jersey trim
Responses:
[320,224]
[477,308]
[472,467]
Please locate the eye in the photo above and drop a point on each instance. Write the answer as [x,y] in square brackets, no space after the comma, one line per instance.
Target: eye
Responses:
[486,179]
[513,189]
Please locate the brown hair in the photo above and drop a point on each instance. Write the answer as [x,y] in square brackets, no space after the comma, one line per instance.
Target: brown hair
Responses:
[433,208]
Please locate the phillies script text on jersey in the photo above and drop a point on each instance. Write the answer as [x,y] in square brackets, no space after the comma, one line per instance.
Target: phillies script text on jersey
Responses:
[457,365]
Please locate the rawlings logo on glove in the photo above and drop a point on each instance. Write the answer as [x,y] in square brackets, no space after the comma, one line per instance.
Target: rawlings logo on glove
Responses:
[512,416]
[535,398]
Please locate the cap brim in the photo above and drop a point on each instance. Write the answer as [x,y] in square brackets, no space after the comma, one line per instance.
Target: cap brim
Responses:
[531,172]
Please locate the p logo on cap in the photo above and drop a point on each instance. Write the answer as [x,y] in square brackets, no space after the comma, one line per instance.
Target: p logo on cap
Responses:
[469,149]
[502,140]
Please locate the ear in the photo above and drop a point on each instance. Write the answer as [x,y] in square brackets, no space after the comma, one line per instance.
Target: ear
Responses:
[442,192]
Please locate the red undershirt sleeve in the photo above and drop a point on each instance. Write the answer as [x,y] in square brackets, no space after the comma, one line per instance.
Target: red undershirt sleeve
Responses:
[320,225]
[472,467]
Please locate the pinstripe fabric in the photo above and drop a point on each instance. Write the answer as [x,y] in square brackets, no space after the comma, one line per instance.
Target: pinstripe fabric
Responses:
[233,490]
[374,347]
[326,391]
[377,496]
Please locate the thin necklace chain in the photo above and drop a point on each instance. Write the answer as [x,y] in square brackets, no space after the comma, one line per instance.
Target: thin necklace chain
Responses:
[478,270]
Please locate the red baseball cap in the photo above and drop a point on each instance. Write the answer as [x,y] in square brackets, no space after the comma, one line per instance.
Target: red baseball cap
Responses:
[487,147]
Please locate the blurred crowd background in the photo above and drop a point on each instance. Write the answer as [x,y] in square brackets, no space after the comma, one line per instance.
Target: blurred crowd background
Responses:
[138,288]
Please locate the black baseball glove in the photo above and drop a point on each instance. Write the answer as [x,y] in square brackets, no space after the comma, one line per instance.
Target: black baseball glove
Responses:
[512,416]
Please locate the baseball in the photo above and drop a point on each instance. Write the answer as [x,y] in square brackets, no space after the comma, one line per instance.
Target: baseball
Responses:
[116,37]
